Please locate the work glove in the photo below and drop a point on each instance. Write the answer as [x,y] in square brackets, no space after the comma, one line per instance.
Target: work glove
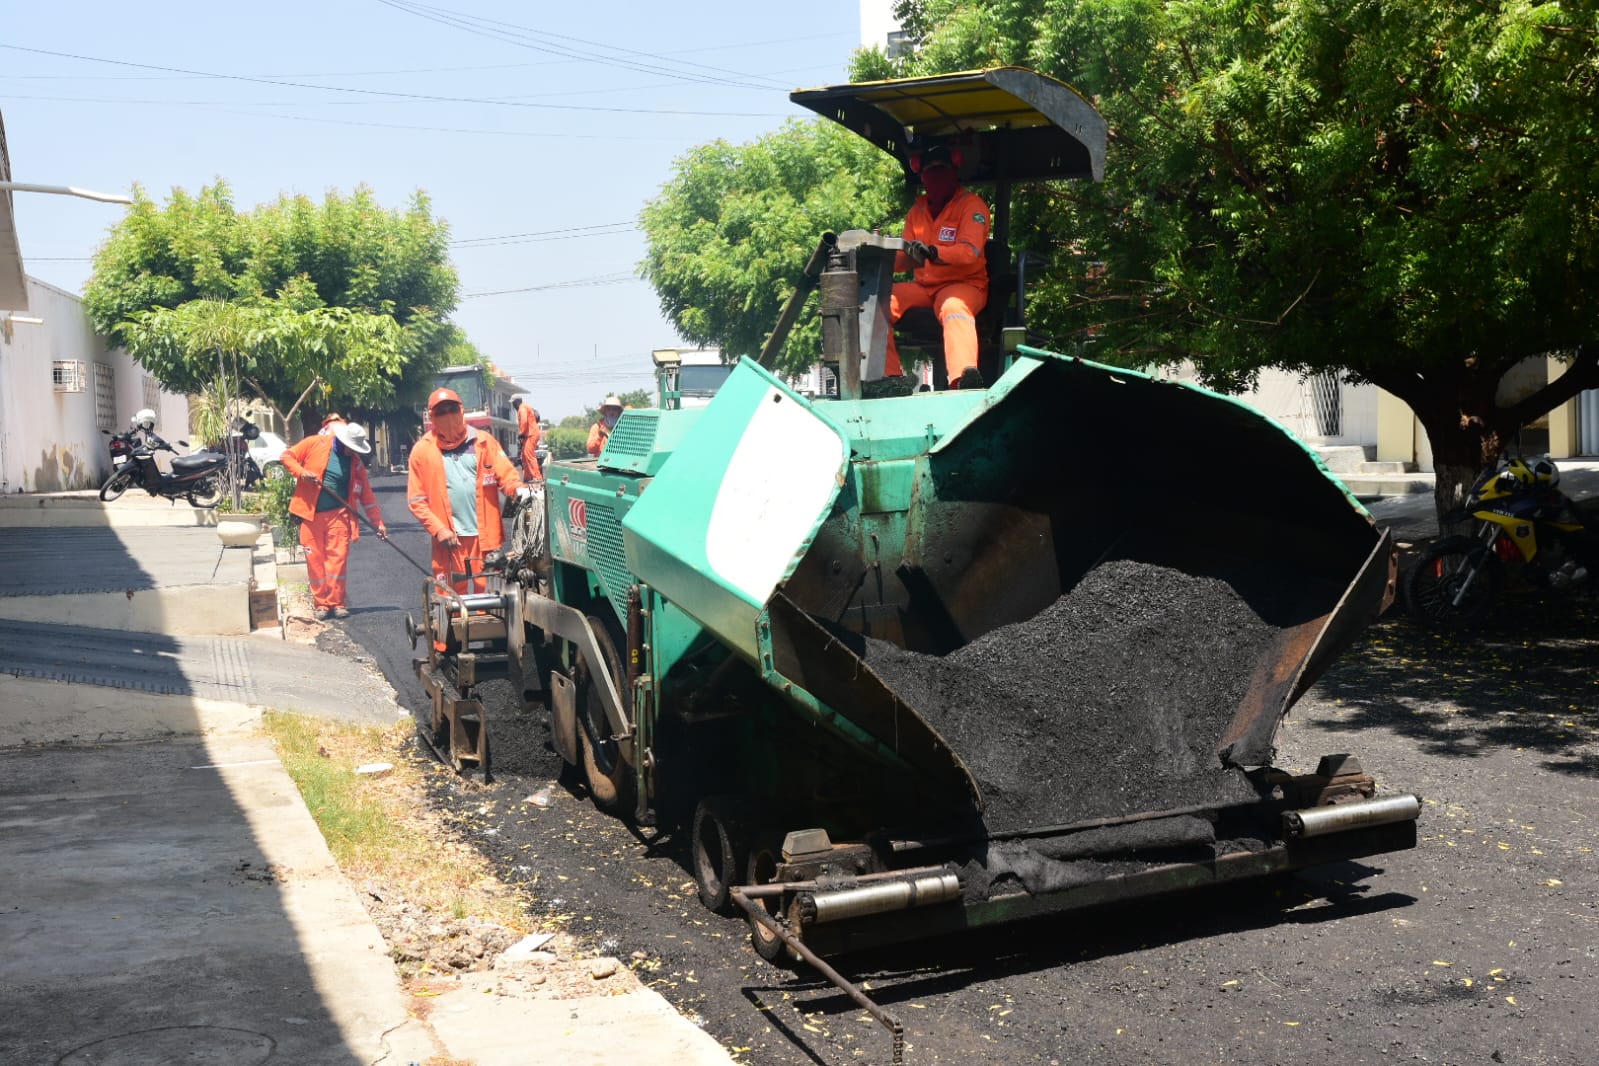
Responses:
[383,531]
[306,475]
[917,251]
[525,494]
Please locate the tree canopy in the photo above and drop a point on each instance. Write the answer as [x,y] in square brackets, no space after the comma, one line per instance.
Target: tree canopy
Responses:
[1403,192]
[731,232]
[344,293]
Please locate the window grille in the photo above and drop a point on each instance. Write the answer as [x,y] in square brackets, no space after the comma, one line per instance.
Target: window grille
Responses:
[105,397]
[1326,396]
[67,375]
[152,393]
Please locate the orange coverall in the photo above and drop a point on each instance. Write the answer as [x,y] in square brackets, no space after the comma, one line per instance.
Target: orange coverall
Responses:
[529,433]
[326,536]
[955,287]
[599,433]
[428,494]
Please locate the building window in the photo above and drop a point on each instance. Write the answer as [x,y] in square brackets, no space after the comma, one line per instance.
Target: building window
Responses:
[68,375]
[152,393]
[105,398]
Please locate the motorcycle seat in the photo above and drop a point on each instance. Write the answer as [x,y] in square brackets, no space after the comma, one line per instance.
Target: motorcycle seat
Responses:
[196,461]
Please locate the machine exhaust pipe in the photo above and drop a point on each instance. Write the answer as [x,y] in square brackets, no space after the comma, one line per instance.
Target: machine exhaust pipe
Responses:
[846,903]
[1342,817]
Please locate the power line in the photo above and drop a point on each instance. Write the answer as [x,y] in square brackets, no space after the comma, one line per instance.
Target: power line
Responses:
[205,105]
[575,283]
[395,95]
[474,68]
[601,229]
[552,44]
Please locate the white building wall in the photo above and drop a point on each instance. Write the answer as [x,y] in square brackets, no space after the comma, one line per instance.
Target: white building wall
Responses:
[51,441]
[877,22]
[1290,400]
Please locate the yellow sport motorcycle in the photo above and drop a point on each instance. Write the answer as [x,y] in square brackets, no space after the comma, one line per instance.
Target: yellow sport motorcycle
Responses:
[1526,528]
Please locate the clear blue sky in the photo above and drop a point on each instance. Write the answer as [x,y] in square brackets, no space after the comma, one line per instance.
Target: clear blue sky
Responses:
[525,123]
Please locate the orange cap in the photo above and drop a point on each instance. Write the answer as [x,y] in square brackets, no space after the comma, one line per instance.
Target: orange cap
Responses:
[442,396]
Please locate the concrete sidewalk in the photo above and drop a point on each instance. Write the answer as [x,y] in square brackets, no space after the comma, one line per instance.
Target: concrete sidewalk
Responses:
[168,897]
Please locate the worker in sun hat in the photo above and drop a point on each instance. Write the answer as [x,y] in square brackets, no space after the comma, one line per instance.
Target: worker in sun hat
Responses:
[528,435]
[458,479]
[329,420]
[600,431]
[946,232]
[332,481]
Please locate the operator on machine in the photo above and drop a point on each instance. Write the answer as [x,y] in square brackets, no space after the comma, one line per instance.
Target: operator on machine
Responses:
[945,234]
[458,478]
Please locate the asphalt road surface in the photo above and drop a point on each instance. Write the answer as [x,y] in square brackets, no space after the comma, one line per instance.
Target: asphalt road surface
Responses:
[1480,946]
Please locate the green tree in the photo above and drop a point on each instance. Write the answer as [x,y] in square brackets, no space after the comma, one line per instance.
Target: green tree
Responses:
[1400,192]
[344,295]
[732,230]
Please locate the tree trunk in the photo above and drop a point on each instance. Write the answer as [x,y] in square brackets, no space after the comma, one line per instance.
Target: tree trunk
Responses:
[1459,454]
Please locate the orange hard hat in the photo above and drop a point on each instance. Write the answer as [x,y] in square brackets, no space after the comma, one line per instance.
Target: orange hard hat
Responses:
[442,396]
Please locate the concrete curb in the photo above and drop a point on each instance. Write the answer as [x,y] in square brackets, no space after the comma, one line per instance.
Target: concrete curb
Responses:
[65,510]
[38,713]
[182,611]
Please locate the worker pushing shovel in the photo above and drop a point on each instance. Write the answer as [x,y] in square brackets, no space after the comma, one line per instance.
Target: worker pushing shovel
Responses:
[331,474]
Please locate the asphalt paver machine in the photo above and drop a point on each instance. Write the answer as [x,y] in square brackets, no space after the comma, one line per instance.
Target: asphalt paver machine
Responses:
[909,665]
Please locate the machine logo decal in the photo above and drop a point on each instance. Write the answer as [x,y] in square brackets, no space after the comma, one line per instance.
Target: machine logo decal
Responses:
[577,517]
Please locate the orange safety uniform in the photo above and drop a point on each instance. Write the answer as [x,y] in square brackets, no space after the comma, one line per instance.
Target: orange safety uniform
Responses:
[955,287]
[599,433]
[428,493]
[529,433]
[326,536]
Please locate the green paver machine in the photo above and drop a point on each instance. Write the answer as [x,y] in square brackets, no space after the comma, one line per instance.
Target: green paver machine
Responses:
[761,621]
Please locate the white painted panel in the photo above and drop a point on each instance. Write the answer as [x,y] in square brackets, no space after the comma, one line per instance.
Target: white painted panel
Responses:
[761,519]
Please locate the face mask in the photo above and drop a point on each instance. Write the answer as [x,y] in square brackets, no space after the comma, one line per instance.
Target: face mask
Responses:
[940,183]
[610,419]
[450,429]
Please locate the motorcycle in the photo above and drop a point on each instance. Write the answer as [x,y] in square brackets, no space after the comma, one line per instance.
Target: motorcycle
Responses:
[1526,529]
[196,478]
[246,473]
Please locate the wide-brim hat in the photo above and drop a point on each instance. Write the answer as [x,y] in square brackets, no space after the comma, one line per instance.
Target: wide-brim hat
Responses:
[352,436]
[612,401]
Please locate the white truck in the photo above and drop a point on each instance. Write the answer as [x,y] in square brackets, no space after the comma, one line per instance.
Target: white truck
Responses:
[688,377]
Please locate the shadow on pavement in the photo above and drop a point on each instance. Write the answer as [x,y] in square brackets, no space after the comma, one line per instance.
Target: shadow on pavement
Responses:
[1524,679]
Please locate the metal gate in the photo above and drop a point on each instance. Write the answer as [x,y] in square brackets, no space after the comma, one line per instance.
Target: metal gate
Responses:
[1326,404]
[1588,422]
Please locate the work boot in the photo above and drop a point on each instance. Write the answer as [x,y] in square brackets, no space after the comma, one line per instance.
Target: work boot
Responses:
[341,612]
[971,378]
[320,614]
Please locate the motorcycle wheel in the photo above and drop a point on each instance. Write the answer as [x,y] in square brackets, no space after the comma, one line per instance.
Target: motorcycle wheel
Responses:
[205,493]
[116,485]
[1434,583]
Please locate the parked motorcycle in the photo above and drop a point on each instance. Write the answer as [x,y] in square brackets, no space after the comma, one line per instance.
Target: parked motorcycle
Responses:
[196,478]
[1526,530]
[246,472]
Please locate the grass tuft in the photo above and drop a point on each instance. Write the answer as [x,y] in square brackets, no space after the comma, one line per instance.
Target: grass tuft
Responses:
[380,827]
